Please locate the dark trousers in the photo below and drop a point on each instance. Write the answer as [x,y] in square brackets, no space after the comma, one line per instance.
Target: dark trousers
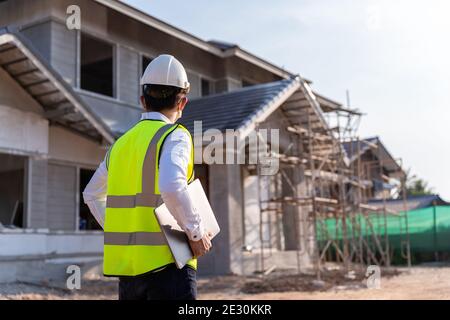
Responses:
[170,283]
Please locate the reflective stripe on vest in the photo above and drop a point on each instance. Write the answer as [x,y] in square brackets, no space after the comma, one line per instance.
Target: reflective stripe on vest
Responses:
[135,238]
[134,243]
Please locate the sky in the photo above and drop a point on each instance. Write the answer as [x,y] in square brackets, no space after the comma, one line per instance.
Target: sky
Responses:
[392,55]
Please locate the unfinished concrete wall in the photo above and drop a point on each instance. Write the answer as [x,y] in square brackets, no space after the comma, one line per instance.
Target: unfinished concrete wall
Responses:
[12,95]
[112,110]
[194,80]
[227,84]
[291,212]
[56,44]
[23,131]
[40,36]
[61,147]
[36,256]
[64,51]
[22,127]
[128,75]
[34,242]
[61,197]
[251,211]
[239,69]
[226,200]
[272,230]
[21,12]
[37,193]
[64,161]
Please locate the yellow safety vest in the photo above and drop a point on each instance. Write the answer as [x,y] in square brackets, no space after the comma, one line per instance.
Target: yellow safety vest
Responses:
[133,241]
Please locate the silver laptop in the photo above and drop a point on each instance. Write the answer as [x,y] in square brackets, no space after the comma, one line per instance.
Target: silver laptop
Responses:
[175,236]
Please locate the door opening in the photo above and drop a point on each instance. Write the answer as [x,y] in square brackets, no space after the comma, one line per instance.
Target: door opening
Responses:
[12,177]
[87,220]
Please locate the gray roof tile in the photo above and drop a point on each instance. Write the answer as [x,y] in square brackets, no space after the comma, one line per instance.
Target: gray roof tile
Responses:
[230,110]
[351,147]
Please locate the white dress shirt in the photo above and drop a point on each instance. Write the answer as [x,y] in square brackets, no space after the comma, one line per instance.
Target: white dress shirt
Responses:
[173,164]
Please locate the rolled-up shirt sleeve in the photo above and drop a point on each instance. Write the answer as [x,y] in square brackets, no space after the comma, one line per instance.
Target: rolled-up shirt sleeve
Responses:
[173,167]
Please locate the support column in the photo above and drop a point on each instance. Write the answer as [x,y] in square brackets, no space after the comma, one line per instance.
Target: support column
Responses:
[290,211]
[37,193]
[225,189]
[298,231]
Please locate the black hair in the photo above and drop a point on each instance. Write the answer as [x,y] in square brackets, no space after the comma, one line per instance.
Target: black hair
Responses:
[159,97]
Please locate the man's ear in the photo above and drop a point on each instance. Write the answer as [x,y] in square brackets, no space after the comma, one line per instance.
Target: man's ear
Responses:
[182,103]
[143,103]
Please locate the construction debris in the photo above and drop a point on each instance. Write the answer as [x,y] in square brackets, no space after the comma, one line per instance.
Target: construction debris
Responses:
[284,281]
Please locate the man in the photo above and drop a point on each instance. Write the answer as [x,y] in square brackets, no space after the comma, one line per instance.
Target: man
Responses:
[150,163]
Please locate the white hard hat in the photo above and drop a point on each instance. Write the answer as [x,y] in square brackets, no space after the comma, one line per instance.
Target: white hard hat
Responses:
[165,70]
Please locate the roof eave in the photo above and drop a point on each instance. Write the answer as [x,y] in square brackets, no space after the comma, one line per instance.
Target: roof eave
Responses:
[267,109]
[191,39]
[245,55]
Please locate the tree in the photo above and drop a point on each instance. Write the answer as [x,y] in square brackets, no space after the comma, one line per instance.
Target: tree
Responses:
[416,186]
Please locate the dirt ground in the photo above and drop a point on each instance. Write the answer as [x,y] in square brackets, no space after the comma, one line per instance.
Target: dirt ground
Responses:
[424,282]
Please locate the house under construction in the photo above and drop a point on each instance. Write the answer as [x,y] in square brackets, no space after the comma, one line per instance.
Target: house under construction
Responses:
[66,95]
[325,173]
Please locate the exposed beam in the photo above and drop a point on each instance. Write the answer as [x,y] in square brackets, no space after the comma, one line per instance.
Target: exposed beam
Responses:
[57,113]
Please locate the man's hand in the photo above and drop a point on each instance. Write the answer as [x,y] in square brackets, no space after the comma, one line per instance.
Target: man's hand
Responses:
[202,246]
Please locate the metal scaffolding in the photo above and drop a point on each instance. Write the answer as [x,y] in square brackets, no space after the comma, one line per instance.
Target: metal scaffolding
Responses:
[318,181]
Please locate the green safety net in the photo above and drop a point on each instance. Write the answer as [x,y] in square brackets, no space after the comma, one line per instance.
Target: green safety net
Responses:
[428,229]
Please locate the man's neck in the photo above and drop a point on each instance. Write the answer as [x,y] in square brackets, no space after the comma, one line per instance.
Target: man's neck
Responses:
[169,116]
[172,116]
